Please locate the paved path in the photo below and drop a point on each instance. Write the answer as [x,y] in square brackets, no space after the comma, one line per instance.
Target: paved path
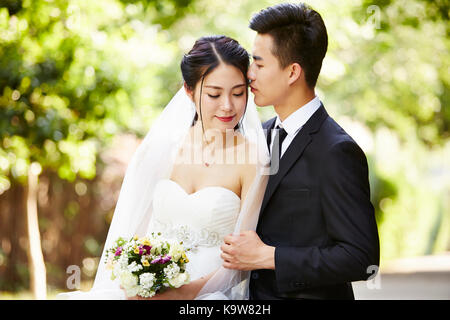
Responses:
[405,286]
[418,278]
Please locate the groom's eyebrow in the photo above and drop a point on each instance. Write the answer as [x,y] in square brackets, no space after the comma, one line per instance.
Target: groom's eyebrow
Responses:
[257,57]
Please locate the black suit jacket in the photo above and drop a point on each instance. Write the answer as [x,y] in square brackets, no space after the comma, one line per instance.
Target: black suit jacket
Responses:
[317,212]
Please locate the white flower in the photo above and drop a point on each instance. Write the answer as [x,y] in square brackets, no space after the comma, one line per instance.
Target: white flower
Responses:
[118,268]
[175,251]
[171,270]
[146,257]
[123,261]
[179,280]
[156,247]
[126,247]
[130,283]
[146,293]
[133,267]
[146,280]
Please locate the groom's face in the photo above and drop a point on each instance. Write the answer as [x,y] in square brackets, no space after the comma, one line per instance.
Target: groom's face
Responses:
[269,82]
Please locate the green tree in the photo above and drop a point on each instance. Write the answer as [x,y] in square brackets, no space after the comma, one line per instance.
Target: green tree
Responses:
[64,94]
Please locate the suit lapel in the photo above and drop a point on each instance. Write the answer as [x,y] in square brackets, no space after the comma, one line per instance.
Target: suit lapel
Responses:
[294,152]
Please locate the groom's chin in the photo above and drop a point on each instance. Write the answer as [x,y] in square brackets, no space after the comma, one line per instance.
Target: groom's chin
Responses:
[260,103]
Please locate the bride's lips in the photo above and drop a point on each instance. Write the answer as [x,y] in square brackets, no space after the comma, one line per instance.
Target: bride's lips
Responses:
[225,119]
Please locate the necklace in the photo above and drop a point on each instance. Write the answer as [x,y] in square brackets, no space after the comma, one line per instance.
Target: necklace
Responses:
[210,155]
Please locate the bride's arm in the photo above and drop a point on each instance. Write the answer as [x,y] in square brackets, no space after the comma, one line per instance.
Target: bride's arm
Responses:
[186,292]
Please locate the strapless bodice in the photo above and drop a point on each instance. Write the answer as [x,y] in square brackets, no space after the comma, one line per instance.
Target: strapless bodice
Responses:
[201,220]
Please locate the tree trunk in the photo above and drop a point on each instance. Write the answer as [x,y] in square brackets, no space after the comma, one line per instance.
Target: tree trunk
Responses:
[38,277]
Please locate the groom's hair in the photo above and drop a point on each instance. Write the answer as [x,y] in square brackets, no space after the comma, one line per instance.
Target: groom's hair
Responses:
[299,35]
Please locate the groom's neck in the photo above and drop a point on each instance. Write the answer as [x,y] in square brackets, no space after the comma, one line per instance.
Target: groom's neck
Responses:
[296,98]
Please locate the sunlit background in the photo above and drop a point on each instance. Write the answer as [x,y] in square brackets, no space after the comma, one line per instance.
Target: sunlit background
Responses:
[82,81]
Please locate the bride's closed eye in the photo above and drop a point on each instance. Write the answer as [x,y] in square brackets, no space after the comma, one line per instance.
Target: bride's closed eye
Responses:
[216,96]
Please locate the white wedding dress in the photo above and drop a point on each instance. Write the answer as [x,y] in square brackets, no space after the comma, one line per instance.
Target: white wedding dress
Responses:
[201,220]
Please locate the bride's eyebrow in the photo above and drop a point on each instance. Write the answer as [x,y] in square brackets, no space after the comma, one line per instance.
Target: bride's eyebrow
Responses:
[220,88]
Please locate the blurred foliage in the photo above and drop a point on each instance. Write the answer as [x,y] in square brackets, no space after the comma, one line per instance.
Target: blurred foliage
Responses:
[75,74]
[65,90]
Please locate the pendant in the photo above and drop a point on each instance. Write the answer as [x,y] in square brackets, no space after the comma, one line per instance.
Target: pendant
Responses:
[207,164]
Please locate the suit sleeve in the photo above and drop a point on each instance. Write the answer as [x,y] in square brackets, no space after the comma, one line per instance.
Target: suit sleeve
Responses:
[350,223]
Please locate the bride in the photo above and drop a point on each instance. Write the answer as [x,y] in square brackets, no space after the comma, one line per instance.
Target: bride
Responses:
[199,175]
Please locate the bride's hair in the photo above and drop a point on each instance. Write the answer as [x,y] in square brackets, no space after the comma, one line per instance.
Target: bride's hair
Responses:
[206,54]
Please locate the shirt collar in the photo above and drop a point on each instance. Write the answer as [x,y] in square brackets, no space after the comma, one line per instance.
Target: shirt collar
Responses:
[296,120]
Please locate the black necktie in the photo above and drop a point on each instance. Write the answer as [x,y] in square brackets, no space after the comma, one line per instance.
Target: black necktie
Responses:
[280,135]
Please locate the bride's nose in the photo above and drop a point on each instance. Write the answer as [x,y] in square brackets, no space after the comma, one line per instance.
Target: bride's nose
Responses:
[227,105]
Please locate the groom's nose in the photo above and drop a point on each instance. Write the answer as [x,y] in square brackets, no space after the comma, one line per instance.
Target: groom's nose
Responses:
[250,73]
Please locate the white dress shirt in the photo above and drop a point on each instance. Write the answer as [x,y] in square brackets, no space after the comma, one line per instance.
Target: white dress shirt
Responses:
[294,122]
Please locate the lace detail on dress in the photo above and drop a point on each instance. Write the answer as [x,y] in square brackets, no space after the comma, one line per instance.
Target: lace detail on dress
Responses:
[200,219]
[192,238]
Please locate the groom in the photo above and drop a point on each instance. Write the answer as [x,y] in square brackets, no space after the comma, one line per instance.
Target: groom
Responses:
[316,231]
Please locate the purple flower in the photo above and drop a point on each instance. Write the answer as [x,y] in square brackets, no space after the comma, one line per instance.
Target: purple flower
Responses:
[147,249]
[157,260]
[161,259]
[166,259]
[118,251]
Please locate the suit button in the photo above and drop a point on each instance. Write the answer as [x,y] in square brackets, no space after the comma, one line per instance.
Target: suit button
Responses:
[299,284]
[255,275]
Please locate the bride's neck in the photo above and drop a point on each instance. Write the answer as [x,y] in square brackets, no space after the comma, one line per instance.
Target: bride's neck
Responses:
[206,136]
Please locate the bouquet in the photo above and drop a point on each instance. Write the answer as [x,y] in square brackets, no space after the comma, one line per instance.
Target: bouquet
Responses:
[146,266]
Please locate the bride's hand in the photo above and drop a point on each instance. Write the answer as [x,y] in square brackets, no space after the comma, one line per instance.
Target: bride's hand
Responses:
[185,292]
[181,293]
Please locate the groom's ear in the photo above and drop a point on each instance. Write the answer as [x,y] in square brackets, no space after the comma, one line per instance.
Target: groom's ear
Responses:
[295,72]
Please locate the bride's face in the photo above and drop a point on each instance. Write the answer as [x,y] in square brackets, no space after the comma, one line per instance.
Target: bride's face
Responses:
[223,98]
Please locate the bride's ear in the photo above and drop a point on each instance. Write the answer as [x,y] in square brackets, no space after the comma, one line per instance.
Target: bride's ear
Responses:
[189,92]
[295,71]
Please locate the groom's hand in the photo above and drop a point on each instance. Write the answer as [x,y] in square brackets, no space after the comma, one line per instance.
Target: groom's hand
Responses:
[247,252]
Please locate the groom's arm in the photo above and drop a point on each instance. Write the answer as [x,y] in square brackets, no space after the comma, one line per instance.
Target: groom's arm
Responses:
[350,223]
